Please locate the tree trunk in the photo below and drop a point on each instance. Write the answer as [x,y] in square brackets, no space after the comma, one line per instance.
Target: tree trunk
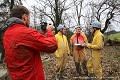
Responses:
[107,22]
[11,4]
[106,25]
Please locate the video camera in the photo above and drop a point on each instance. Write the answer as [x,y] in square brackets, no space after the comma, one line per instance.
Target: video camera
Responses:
[43,26]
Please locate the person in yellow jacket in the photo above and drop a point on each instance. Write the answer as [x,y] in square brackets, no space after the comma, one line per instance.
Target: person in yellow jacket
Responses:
[63,50]
[77,41]
[94,63]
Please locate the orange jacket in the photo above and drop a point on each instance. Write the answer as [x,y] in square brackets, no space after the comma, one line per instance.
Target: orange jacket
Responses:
[78,39]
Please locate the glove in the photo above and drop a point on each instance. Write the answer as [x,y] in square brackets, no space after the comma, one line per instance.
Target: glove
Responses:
[85,44]
[71,54]
[68,54]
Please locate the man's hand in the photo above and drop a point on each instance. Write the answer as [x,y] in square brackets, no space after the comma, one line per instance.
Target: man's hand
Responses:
[49,26]
[85,44]
[70,54]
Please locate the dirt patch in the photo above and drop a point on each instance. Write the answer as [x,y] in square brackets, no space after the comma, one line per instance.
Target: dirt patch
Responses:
[110,64]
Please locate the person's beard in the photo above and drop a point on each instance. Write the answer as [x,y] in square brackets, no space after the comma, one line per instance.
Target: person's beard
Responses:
[93,32]
[62,32]
[27,24]
[78,34]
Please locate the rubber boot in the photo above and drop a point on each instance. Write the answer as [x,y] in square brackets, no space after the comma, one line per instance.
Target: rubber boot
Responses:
[78,68]
[62,75]
[56,77]
[85,67]
[92,77]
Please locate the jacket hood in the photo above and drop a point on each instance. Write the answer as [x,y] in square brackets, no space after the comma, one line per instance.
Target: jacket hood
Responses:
[13,20]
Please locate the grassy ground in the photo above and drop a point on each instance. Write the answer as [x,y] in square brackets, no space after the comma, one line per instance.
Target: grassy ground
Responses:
[115,37]
[110,64]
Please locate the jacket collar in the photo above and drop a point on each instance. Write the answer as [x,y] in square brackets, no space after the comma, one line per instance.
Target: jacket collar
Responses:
[14,20]
[60,33]
[96,32]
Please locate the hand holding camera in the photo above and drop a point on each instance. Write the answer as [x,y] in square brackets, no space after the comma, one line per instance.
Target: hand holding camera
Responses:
[45,26]
[49,26]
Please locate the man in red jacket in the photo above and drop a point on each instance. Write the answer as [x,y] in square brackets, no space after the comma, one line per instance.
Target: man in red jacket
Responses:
[23,44]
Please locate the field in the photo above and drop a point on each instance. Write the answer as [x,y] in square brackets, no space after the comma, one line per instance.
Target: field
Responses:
[110,64]
[115,37]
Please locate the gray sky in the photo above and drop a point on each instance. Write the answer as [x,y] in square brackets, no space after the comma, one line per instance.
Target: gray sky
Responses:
[29,3]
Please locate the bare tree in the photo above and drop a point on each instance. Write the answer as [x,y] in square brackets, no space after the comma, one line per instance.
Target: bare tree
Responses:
[54,10]
[5,8]
[78,8]
[106,11]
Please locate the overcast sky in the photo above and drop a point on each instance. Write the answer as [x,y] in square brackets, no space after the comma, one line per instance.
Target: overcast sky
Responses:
[29,3]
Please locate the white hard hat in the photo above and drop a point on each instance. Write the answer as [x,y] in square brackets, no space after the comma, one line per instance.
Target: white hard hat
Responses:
[96,24]
[77,27]
[61,26]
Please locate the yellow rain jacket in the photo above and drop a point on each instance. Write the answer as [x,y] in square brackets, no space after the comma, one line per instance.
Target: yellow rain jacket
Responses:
[62,51]
[63,47]
[94,63]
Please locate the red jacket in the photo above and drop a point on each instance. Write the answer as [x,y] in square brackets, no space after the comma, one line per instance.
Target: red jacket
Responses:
[22,46]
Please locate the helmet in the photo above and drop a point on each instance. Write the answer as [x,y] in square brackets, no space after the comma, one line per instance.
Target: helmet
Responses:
[96,24]
[61,26]
[77,27]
